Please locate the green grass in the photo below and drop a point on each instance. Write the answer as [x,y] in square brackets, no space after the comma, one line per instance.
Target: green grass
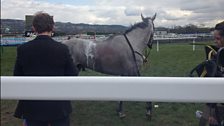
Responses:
[8,55]
[172,60]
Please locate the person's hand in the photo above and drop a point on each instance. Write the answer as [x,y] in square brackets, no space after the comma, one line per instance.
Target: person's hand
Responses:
[212,120]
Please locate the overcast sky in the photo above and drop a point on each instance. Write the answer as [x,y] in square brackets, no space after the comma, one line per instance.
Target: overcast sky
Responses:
[121,12]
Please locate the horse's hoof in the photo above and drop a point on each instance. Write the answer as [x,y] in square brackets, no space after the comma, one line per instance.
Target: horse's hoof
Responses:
[149,115]
[121,115]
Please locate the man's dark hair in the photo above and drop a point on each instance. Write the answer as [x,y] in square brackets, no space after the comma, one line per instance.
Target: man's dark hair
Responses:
[220,28]
[43,22]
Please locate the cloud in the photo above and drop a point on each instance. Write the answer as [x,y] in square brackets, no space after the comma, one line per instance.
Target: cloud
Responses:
[122,12]
[133,11]
[208,12]
[203,6]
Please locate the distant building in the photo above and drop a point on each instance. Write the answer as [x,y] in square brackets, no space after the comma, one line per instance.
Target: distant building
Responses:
[28,22]
[161,32]
[28,25]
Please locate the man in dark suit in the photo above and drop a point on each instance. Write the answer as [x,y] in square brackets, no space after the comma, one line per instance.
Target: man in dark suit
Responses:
[44,57]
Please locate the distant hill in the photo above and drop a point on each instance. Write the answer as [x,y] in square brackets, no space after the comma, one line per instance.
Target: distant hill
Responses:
[18,26]
[12,26]
[71,28]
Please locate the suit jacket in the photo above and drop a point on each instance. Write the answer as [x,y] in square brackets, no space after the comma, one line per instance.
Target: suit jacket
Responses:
[43,57]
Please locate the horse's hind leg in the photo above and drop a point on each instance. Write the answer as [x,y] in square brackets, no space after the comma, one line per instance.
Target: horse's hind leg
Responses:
[120,111]
[148,110]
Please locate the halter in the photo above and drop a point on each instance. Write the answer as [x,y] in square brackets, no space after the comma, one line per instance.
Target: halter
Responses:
[144,57]
[149,46]
[141,55]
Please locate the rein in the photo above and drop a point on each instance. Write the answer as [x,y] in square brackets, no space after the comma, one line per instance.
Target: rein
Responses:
[133,54]
[144,58]
[147,55]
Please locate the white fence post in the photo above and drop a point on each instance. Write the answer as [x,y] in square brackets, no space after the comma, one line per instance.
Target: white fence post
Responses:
[193,45]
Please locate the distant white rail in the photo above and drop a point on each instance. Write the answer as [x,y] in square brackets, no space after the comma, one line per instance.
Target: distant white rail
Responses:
[174,38]
[159,89]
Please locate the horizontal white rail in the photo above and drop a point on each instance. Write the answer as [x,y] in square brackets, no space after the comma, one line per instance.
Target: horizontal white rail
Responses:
[159,89]
[175,38]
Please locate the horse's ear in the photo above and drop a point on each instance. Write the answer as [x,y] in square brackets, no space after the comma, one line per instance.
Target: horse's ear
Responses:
[142,17]
[154,17]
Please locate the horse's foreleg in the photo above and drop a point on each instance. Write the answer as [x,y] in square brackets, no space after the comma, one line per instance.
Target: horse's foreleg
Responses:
[81,67]
[120,109]
[149,109]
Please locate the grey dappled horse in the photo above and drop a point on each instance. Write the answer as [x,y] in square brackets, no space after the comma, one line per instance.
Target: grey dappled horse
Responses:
[118,55]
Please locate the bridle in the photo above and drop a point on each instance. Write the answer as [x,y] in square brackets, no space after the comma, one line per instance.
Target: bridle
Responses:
[149,44]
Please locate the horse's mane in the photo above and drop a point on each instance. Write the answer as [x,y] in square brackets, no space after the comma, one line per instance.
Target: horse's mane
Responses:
[137,25]
[132,27]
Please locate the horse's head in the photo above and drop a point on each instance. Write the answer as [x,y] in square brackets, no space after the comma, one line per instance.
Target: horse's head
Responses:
[150,24]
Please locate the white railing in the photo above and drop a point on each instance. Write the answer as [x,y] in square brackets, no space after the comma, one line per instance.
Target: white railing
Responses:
[173,38]
[159,89]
